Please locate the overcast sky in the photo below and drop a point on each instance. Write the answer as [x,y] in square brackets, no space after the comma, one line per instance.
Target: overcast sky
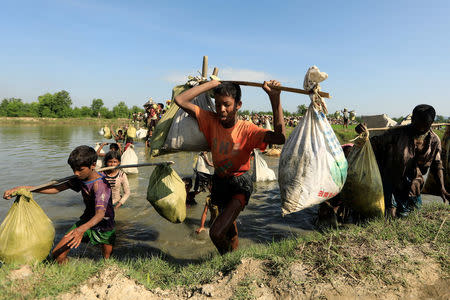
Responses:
[381,56]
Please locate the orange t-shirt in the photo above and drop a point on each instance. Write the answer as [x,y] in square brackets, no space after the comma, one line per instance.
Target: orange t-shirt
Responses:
[230,147]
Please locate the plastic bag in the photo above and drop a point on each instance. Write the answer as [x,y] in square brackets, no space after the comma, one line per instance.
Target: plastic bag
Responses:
[432,185]
[261,172]
[267,124]
[107,132]
[363,189]
[162,128]
[129,157]
[141,133]
[26,234]
[131,132]
[273,152]
[99,159]
[312,165]
[167,194]
[184,133]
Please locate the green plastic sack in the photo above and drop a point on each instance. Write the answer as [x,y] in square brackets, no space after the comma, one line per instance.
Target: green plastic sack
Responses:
[432,185]
[167,193]
[363,189]
[107,132]
[26,234]
[162,128]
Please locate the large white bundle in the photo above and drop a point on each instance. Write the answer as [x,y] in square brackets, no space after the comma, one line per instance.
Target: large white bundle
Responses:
[267,124]
[99,159]
[184,134]
[129,157]
[141,133]
[261,172]
[101,131]
[312,165]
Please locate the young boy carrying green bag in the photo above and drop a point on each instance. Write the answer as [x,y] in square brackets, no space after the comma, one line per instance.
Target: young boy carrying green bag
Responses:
[96,225]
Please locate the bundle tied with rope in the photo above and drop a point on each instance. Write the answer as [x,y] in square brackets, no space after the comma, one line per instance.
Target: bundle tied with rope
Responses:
[312,165]
[363,189]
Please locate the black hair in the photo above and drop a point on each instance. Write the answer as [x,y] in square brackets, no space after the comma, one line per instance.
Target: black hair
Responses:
[82,156]
[111,155]
[113,147]
[120,131]
[129,140]
[187,180]
[162,105]
[424,112]
[229,89]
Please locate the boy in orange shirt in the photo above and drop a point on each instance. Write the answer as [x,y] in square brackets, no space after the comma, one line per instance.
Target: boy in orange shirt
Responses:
[231,142]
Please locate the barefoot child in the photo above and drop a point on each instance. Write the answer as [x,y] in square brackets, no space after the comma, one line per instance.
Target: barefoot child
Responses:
[231,142]
[117,179]
[97,222]
[213,210]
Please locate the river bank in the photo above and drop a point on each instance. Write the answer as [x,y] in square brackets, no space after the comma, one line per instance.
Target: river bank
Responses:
[402,258]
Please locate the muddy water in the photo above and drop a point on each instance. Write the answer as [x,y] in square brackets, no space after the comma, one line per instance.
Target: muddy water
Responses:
[34,154]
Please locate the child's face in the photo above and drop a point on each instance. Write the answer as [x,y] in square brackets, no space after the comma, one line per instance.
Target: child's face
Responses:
[226,109]
[83,173]
[113,162]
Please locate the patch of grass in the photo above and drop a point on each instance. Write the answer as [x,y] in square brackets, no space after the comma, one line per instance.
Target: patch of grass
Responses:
[48,279]
[244,290]
[379,250]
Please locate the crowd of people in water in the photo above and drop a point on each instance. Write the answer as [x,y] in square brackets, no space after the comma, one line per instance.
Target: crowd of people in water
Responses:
[404,155]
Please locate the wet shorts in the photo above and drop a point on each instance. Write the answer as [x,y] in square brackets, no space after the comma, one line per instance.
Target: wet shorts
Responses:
[224,189]
[96,236]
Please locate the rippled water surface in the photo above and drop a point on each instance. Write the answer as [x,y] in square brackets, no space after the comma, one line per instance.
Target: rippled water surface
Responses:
[35,154]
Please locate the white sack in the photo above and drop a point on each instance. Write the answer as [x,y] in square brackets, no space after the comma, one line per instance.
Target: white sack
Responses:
[141,133]
[99,159]
[184,134]
[101,131]
[129,157]
[312,164]
[267,125]
[261,172]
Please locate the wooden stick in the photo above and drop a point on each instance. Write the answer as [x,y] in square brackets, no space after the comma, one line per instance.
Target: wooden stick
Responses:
[386,128]
[282,88]
[205,66]
[215,71]
[65,179]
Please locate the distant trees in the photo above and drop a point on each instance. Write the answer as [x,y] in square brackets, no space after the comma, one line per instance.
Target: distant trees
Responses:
[59,105]
[301,109]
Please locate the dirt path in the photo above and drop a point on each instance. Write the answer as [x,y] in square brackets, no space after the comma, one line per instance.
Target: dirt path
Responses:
[251,280]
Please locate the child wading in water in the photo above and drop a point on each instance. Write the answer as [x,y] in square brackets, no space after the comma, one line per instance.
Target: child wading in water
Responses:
[231,142]
[97,222]
[117,179]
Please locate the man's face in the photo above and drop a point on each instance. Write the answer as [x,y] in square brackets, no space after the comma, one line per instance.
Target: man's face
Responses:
[83,172]
[421,126]
[226,109]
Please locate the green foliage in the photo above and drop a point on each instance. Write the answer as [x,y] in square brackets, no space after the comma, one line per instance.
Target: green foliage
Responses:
[96,106]
[121,110]
[57,105]
[301,109]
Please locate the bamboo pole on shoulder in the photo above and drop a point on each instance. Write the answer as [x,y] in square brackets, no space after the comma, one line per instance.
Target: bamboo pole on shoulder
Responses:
[65,179]
[281,88]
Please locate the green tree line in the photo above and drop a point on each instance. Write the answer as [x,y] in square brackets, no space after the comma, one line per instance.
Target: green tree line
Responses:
[59,105]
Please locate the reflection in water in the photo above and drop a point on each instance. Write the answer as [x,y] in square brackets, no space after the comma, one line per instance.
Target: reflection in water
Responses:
[35,154]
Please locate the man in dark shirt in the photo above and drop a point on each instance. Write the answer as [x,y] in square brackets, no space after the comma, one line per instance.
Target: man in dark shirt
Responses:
[404,154]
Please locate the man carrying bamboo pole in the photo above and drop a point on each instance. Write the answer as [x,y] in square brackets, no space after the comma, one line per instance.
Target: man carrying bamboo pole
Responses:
[404,154]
